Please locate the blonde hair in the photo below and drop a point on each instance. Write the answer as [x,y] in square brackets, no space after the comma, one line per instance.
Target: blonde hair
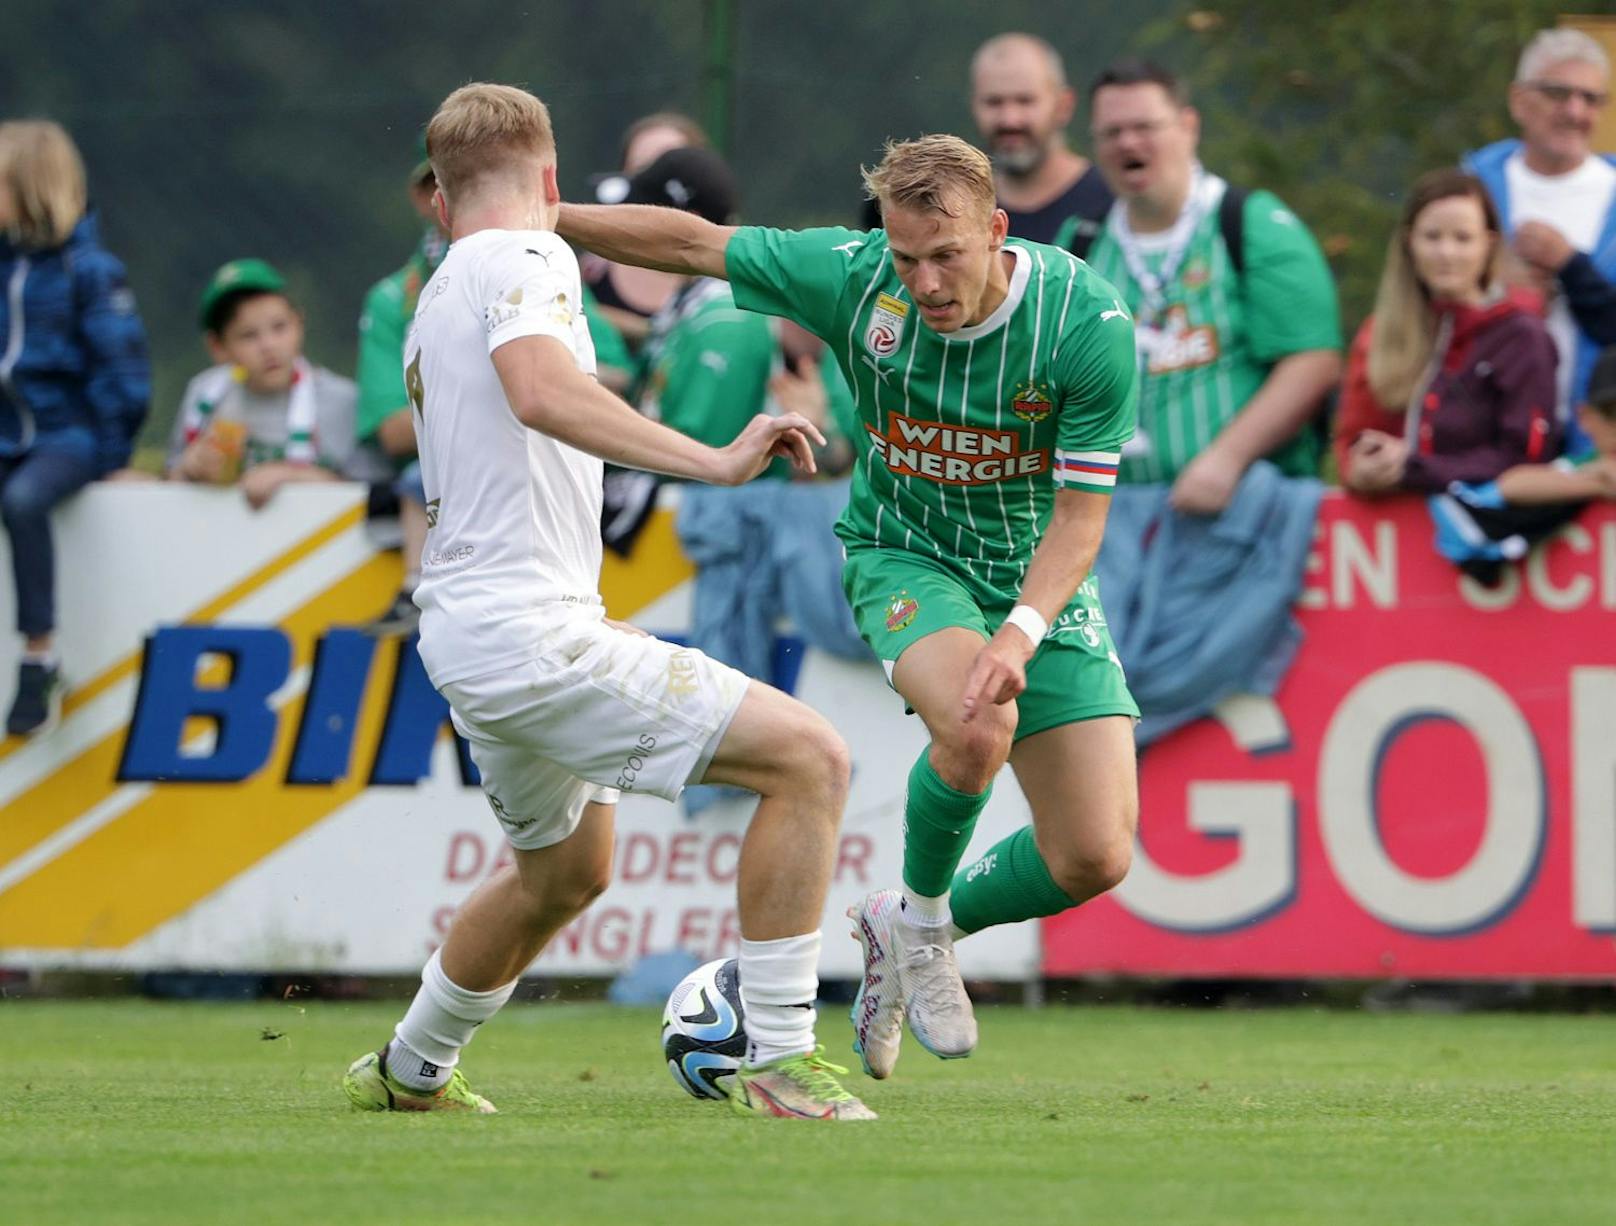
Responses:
[932,174]
[483,130]
[1403,337]
[42,167]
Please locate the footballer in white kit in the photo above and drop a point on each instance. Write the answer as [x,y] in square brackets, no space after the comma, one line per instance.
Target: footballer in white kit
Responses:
[564,709]
[560,706]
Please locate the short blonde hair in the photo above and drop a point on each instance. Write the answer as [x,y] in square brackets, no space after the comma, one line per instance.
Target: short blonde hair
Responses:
[484,129]
[41,165]
[933,174]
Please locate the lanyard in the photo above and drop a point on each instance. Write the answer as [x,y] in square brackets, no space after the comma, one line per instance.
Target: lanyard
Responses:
[1205,191]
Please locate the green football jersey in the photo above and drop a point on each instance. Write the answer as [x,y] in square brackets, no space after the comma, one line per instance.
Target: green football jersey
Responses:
[388,307]
[708,366]
[1211,341]
[967,434]
[610,349]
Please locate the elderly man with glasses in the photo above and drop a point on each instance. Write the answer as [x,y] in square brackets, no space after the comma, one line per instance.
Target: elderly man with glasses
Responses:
[1557,198]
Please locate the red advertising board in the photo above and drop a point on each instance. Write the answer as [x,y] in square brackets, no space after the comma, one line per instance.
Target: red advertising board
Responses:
[1431,794]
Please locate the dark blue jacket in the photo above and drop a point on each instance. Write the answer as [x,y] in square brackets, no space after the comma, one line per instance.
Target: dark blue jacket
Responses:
[73,364]
[1588,280]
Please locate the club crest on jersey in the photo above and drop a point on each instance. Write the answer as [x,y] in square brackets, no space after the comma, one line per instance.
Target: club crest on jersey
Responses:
[886,325]
[901,611]
[1031,401]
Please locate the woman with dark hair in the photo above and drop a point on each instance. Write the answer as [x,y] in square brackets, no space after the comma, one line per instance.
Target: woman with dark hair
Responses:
[75,380]
[1452,378]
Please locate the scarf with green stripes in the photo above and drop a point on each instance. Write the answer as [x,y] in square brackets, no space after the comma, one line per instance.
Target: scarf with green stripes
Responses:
[223,382]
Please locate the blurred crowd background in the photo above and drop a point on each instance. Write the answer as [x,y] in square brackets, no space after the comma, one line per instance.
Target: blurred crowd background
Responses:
[214,130]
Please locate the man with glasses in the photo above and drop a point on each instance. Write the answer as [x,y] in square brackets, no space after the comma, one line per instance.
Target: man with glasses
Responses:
[1557,198]
[1237,326]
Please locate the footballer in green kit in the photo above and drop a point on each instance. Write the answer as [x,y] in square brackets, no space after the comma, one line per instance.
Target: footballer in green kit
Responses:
[995,385]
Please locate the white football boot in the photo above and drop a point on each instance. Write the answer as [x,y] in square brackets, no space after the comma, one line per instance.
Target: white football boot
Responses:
[926,988]
[878,1007]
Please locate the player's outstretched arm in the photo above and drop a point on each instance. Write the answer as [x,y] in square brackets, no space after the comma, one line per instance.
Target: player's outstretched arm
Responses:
[648,235]
[1059,565]
[547,392]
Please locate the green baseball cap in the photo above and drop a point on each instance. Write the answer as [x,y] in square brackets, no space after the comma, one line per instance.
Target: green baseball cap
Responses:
[253,276]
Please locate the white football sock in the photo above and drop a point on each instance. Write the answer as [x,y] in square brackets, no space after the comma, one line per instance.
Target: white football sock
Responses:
[441,1020]
[779,983]
[923,911]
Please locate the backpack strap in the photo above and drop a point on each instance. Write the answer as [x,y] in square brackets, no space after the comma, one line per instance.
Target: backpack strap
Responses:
[1232,224]
[1077,234]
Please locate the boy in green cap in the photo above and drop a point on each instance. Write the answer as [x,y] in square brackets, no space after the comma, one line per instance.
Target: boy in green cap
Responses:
[262,415]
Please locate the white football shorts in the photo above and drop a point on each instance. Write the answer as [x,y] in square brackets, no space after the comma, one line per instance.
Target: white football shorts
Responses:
[595,713]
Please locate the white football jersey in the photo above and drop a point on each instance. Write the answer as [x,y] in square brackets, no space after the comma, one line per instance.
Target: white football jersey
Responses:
[514,515]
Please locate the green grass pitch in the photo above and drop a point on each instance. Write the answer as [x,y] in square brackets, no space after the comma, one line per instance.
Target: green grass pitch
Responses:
[133,1112]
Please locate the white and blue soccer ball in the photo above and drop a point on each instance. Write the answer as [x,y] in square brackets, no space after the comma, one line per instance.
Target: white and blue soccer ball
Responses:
[703,1038]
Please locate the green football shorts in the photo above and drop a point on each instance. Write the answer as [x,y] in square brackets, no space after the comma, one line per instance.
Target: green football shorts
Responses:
[899,598]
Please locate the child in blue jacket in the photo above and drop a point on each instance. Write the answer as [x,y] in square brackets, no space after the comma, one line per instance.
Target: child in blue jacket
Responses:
[74,380]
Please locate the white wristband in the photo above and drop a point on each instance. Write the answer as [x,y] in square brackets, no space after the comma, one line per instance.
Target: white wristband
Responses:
[1029,621]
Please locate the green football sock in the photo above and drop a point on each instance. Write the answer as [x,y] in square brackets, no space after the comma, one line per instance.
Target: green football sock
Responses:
[1009,883]
[937,826]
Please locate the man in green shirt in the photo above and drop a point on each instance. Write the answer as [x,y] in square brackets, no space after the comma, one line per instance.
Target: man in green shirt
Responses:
[995,386]
[707,362]
[1238,347]
[384,419]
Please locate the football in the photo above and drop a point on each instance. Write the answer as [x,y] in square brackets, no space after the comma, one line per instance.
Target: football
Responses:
[703,1039]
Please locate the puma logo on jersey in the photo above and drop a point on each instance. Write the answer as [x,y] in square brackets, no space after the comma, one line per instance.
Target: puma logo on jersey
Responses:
[880,372]
[1117,312]
[540,254]
[848,249]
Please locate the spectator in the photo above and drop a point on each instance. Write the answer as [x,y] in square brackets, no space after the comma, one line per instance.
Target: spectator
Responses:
[384,418]
[1238,337]
[1022,105]
[627,297]
[263,415]
[1237,324]
[1452,377]
[1557,200]
[75,381]
[650,136]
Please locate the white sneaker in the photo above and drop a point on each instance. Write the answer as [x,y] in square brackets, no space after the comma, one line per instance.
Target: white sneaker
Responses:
[878,1007]
[935,1002]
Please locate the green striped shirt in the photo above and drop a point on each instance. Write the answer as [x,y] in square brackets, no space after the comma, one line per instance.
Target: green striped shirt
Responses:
[967,434]
[1219,332]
